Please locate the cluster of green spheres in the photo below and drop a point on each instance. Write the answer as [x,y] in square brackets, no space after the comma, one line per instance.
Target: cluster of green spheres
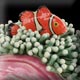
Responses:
[59,53]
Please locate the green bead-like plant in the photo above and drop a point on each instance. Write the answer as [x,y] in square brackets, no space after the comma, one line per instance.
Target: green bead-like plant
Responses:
[59,53]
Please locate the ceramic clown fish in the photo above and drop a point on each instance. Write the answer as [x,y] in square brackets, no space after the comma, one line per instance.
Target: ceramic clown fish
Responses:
[43,21]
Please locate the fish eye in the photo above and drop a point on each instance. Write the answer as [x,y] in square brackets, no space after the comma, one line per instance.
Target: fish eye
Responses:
[56,24]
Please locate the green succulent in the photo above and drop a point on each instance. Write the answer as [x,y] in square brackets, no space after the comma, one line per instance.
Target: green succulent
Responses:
[59,53]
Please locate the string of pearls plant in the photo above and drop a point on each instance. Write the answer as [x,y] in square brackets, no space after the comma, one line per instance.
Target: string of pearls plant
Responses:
[57,52]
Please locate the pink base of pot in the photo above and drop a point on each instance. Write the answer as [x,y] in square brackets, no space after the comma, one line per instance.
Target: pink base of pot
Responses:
[23,67]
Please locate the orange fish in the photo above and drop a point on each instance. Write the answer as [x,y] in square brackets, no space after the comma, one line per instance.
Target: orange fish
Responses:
[43,21]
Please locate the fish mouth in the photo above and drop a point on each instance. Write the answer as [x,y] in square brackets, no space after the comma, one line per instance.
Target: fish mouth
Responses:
[64,30]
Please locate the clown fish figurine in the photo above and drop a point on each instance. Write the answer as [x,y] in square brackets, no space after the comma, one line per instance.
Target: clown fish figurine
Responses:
[43,21]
